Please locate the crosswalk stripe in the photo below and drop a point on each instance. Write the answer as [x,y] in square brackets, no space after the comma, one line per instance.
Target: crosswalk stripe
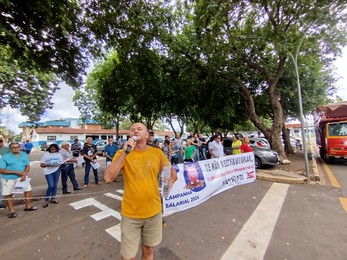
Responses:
[253,239]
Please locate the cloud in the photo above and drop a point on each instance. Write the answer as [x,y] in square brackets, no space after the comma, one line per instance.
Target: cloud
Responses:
[63,105]
[341,84]
[63,108]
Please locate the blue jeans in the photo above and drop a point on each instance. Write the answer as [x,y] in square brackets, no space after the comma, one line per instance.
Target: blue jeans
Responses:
[203,153]
[68,172]
[197,154]
[52,181]
[86,174]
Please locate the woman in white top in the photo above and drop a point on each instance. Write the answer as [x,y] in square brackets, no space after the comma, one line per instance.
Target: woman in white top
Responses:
[216,147]
[50,162]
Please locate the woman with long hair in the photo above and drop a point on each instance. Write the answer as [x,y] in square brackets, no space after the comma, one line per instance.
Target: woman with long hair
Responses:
[50,162]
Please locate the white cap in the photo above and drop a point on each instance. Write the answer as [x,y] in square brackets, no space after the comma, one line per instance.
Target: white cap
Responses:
[65,143]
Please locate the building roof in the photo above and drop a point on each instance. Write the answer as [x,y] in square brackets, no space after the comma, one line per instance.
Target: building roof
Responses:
[293,125]
[66,122]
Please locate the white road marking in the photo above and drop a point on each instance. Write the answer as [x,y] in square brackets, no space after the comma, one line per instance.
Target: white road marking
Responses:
[113,196]
[115,232]
[105,212]
[253,239]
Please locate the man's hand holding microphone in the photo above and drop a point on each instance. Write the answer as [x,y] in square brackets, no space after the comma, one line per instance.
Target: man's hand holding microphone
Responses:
[130,144]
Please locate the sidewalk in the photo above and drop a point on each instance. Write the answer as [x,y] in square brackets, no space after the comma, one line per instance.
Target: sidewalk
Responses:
[293,173]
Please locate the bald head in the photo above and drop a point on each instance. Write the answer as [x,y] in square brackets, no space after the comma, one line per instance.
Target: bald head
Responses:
[140,131]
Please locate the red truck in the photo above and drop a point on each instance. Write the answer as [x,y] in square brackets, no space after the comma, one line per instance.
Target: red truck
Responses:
[331,130]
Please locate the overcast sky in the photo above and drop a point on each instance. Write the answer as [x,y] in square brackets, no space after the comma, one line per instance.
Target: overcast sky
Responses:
[64,107]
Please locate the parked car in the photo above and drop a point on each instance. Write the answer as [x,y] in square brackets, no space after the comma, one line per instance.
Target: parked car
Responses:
[100,147]
[260,142]
[263,156]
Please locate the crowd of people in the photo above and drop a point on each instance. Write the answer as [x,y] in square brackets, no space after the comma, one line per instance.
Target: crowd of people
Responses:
[197,148]
[56,163]
[141,162]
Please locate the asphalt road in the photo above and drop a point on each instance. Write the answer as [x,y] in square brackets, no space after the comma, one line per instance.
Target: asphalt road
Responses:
[261,220]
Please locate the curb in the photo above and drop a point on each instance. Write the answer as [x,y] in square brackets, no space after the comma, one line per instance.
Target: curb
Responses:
[294,179]
[316,172]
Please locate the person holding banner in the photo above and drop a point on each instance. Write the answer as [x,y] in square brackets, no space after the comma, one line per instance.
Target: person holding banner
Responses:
[141,205]
[216,147]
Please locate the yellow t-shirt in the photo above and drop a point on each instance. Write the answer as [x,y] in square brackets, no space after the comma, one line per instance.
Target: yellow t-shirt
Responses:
[236,150]
[141,198]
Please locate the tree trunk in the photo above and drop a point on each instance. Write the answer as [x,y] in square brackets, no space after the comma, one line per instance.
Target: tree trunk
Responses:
[285,137]
[272,134]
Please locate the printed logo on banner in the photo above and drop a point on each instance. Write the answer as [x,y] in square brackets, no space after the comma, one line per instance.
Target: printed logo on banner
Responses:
[250,175]
[194,177]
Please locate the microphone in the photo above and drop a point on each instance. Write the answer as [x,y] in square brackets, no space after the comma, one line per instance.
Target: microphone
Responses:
[135,138]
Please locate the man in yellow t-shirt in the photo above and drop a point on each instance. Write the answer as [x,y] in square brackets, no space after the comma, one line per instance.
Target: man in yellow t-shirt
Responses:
[141,205]
[236,144]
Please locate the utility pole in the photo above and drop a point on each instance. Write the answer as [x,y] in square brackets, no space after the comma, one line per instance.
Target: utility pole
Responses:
[295,61]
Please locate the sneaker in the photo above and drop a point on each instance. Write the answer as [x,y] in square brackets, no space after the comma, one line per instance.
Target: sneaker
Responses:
[2,207]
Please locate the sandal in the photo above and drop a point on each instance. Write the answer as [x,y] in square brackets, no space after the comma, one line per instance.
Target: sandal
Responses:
[12,215]
[30,209]
[45,204]
[54,201]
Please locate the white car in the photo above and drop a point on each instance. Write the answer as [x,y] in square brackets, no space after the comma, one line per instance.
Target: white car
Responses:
[100,147]
[260,142]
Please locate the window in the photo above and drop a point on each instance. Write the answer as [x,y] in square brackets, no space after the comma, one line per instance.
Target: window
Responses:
[73,137]
[51,138]
[338,129]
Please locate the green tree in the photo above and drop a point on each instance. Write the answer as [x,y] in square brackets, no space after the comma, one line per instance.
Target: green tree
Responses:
[40,42]
[45,36]
[247,43]
[6,134]
[244,43]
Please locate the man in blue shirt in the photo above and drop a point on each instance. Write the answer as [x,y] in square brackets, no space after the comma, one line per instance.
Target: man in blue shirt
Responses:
[14,167]
[3,150]
[28,146]
[110,150]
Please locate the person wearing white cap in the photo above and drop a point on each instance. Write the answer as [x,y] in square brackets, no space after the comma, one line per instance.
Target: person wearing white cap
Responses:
[67,169]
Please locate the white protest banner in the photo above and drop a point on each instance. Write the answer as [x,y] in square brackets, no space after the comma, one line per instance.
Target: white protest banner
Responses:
[199,181]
